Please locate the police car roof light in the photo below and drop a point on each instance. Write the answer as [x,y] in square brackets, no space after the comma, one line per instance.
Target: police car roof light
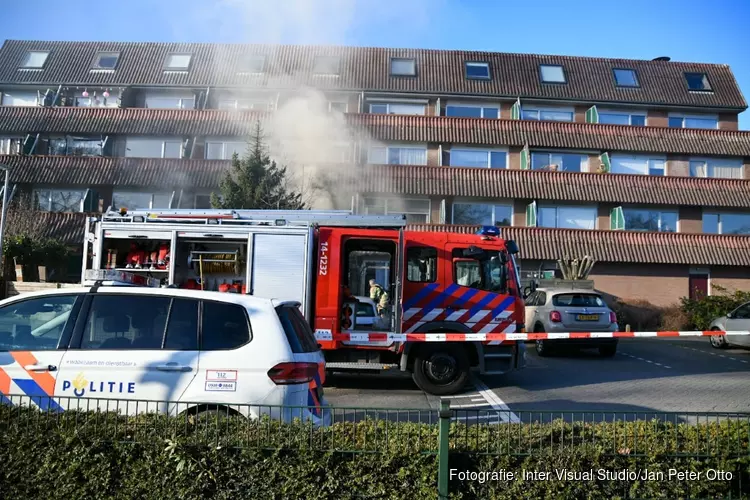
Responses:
[489,231]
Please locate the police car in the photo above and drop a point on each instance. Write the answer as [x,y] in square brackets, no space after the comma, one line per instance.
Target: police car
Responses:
[163,349]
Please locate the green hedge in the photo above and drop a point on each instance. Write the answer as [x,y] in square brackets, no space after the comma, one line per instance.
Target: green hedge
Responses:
[77,455]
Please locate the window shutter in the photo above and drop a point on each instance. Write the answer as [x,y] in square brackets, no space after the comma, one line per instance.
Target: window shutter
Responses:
[531,214]
[606,164]
[592,115]
[525,158]
[515,110]
[91,202]
[442,211]
[616,219]
[440,155]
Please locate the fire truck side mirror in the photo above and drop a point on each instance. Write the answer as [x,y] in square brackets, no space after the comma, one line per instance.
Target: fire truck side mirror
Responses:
[512,247]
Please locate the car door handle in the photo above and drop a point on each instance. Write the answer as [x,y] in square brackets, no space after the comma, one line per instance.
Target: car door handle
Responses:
[40,368]
[173,367]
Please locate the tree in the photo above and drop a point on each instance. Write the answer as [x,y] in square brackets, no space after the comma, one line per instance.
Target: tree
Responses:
[256,182]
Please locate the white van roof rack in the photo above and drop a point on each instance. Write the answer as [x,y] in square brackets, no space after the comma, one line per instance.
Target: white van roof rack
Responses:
[110,277]
[265,217]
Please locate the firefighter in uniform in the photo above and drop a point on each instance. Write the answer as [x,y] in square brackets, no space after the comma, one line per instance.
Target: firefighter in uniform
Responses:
[379,296]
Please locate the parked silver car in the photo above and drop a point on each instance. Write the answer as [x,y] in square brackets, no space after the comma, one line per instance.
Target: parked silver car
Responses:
[739,319]
[570,310]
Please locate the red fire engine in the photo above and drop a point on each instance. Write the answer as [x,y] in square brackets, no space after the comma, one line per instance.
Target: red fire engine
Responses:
[460,287]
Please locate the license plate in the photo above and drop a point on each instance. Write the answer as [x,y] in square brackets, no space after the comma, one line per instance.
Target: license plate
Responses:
[587,317]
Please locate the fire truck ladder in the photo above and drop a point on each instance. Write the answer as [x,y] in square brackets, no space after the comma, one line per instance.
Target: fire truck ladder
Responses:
[260,217]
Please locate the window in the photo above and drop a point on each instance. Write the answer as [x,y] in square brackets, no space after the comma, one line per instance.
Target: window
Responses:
[478,70]
[726,223]
[11,145]
[577,300]
[182,326]
[482,214]
[327,65]
[397,109]
[106,60]
[35,324]
[298,333]
[625,77]
[401,66]
[417,211]
[560,162]
[170,102]
[338,107]
[742,312]
[547,114]
[468,111]
[35,59]
[201,201]
[258,103]
[622,118]
[252,63]
[397,155]
[723,168]
[178,62]
[641,165]
[153,148]
[225,326]
[477,158]
[126,322]
[486,272]
[697,81]
[140,200]
[684,121]
[60,200]
[20,98]
[650,220]
[421,264]
[552,73]
[95,100]
[76,146]
[569,217]
[224,150]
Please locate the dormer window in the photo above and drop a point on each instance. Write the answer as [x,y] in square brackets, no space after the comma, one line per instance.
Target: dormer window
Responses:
[478,70]
[552,73]
[106,60]
[401,66]
[35,59]
[327,65]
[698,82]
[178,62]
[253,63]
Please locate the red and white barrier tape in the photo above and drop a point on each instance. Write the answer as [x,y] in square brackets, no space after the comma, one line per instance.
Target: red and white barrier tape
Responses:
[327,335]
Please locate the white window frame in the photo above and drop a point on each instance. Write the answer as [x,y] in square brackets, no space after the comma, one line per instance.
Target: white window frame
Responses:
[720,214]
[391,103]
[259,103]
[483,64]
[413,62]
[685,116]
[168,67]
[27,55]
[711,165]
[647,158]
[8,141]
[51,189]
[181,97]
[95,66]
[475,105]
[331,103]
[661,211]
[625,112]
[584,165]
[562,69]
[5,94]
[164,142]
[551,109]
[469,201]
[152,194]
[557,214]
[478,149]
[388,199]
[388,148]
[223,143]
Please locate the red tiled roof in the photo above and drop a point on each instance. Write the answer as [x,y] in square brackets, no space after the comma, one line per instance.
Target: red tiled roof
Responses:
[367,69]
[562,186]
[435,129]
[91,171]
[619,246]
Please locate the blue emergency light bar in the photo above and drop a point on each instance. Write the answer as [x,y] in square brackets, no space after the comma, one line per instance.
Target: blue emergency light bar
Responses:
[489,231]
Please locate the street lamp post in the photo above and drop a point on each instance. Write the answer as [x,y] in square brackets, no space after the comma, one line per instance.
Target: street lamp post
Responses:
[3,213]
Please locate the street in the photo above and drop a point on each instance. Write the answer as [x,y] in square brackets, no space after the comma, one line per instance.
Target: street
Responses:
[646,375]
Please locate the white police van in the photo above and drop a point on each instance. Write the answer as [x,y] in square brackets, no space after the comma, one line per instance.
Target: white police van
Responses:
[143,348]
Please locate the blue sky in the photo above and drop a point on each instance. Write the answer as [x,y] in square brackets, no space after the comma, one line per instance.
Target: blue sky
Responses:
[687,30]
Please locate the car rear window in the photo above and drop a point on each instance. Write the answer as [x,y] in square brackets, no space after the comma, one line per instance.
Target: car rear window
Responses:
[578,300]
[299,334]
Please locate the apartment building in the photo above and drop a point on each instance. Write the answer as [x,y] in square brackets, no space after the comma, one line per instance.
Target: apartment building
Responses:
[638,163]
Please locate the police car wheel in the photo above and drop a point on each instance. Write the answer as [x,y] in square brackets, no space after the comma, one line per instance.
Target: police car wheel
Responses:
[718,341]
[440,371]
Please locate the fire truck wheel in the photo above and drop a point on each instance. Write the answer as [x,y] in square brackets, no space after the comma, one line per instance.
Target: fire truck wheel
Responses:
[440,370]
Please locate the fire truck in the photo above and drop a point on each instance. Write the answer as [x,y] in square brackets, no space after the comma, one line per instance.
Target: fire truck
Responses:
[460,286]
